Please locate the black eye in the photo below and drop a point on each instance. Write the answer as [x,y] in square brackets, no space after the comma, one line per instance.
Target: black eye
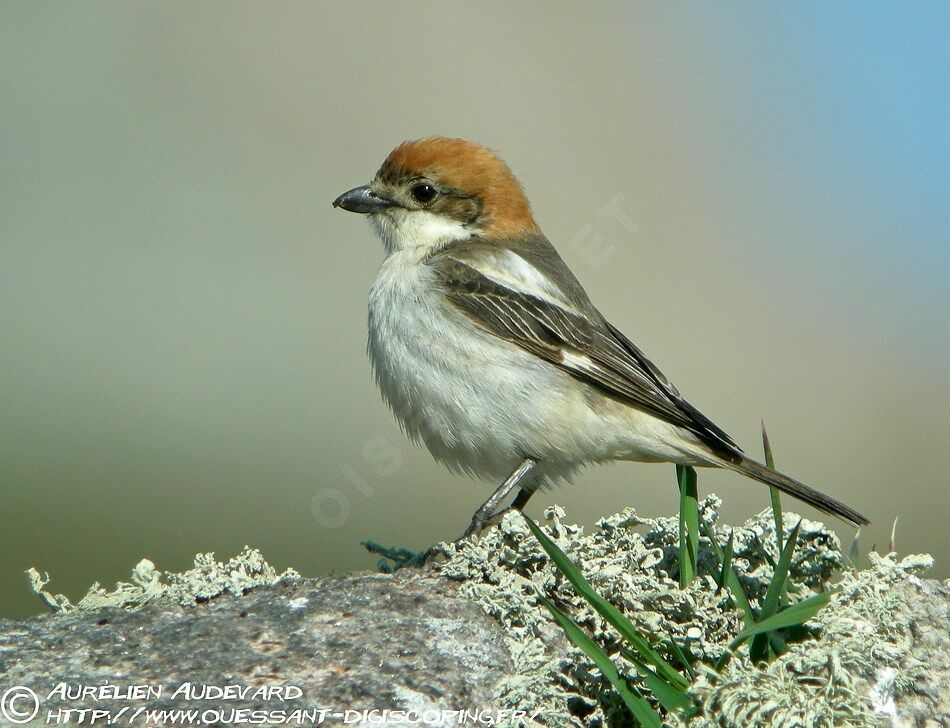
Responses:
[424,193]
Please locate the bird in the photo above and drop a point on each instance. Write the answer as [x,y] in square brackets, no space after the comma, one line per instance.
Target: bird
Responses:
[490,352]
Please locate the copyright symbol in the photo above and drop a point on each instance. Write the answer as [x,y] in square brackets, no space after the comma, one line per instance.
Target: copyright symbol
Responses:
[19,704]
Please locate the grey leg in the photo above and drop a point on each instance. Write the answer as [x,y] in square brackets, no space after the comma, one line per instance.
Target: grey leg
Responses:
[487,509]
[517,505]
[521,500]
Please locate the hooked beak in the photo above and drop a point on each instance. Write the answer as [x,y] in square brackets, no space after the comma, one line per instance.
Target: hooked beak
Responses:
[362,199]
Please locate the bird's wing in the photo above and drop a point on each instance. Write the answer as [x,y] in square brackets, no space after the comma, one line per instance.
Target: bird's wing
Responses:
[503,293]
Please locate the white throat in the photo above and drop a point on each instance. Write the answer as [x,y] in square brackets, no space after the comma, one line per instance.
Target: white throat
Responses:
[419,230]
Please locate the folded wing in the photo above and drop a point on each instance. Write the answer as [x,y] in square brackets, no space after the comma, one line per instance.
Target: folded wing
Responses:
[503,292]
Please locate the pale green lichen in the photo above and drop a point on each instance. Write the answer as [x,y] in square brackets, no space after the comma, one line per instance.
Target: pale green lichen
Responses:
[823,682]
[207,579]
[631,561]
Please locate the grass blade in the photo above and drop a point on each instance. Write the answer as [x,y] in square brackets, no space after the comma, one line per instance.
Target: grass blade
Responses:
[689,524]
[774,494]
[607,610]
[681,656]
[726,563]
[732,579]
[639,706]
[776,500]
[771,602]
[669,697]
[798,613]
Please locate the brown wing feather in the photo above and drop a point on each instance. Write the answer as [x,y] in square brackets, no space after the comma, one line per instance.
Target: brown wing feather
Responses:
[549,331]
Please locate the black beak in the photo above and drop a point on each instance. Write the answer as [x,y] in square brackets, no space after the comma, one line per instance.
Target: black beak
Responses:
[362,199]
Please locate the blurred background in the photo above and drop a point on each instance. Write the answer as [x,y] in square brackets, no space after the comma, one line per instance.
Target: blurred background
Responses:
[757,195]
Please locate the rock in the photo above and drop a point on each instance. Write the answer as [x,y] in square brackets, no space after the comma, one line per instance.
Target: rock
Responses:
[356,641]
[469,634]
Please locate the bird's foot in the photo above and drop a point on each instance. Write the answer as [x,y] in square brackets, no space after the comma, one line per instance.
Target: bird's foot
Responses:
[396,558]
[485,516]
[478,524]
[496,519]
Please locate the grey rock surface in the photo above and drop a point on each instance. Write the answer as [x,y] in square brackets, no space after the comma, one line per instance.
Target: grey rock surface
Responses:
[469,634]
[356,641]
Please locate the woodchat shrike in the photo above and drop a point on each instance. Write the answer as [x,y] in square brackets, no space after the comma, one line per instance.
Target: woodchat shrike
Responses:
[491,353]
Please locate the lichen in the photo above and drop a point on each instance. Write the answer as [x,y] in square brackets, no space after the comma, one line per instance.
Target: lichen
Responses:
[855,673]
[821,682]
[207,579]
[632,562]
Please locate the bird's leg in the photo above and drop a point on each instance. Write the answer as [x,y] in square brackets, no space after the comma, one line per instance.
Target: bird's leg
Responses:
[521,500]
[487,509]
[517,505]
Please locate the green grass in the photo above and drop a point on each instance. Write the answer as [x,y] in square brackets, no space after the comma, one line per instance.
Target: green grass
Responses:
[767,630]
[613,616]
[639,706]
[774,494]
[688,525]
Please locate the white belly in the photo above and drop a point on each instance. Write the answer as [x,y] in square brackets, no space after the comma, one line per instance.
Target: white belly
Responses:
[481,404]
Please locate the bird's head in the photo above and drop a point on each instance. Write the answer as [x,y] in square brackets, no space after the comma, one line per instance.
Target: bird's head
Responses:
[436,190]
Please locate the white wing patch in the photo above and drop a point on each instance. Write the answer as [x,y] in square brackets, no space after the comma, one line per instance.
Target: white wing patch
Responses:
[512,271]
[585,365]
[580,362]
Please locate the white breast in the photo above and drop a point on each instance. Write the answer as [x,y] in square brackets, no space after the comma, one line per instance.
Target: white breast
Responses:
[481,404]
[444,380]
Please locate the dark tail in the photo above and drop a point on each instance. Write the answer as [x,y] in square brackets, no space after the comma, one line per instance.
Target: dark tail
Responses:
[795,489]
